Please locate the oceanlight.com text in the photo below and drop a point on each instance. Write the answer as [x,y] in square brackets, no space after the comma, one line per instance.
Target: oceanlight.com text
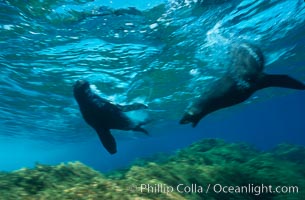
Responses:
[255,189]
[214,188]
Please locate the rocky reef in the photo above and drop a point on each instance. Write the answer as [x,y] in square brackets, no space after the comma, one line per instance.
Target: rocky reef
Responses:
[210,169]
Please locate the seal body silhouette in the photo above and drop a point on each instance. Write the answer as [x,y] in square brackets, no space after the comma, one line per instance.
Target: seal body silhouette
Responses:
[244,77]
[102,115]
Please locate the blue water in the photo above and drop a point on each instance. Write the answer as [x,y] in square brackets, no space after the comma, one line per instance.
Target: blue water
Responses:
[162,56]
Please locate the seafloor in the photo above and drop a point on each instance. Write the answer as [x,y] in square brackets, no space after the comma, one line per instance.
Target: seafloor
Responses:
[205,165]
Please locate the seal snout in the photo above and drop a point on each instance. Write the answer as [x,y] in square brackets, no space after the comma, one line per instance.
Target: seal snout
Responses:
[187,118]
[81,84]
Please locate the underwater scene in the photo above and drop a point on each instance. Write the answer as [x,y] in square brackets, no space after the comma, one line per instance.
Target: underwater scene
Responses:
[164,99]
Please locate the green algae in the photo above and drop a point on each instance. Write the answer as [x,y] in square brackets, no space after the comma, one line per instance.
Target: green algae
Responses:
[208,163]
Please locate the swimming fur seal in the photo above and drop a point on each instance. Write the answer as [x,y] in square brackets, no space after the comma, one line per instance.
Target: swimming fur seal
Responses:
[244,77]
[103,115]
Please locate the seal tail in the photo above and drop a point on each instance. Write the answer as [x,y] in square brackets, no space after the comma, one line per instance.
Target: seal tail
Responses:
[107,140]
[284,81]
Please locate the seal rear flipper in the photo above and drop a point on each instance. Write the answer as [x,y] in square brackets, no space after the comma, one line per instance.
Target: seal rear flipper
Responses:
[140,129]
[134,106]
[284,81]
[107,140]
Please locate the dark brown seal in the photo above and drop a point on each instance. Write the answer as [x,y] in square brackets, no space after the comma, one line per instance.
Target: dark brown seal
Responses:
[102,115]
[244,77]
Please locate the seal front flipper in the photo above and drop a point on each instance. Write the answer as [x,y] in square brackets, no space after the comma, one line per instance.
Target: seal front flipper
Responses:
[134,106]
[107,140]
[140,129]
[285,81]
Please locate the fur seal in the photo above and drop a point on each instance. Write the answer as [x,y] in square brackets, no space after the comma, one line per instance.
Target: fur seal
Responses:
[244,77]
[102,115]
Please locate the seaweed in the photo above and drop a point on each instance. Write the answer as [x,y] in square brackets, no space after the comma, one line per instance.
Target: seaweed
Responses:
[188,174]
